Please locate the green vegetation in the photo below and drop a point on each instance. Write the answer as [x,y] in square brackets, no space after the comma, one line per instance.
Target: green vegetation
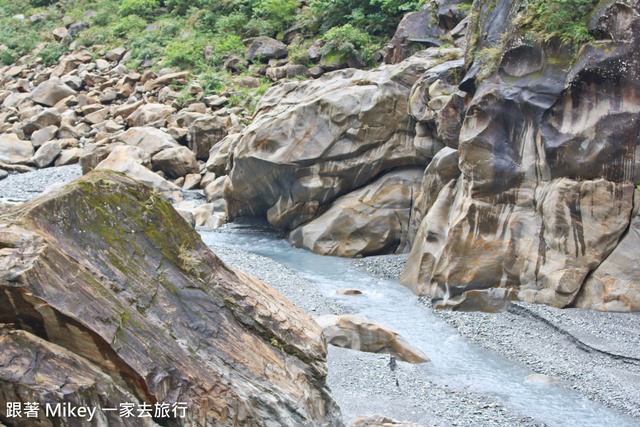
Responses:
[565,20]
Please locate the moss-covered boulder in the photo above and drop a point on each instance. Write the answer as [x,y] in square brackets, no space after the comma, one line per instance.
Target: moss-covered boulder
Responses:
[108,296]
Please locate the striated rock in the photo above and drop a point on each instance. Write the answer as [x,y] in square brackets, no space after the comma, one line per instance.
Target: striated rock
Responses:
[368,221]
[360,334]
[13,150]
[150,139]
[548,174]
[50,92]
[176,162]
[47,154]
[152,319]
[314,141]
[148,113]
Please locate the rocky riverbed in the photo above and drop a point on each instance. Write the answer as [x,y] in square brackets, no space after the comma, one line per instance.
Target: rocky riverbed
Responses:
[592,352]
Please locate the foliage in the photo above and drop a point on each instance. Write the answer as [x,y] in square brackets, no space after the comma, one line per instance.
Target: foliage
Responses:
[128,25]
[348,39]
[565,20]
[51,53]
[377,17]
[185,53]
[138,7]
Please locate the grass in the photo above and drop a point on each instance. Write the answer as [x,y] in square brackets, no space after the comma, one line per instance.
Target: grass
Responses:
[565,20]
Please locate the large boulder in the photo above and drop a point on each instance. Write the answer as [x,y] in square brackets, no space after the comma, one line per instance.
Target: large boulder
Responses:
[368,221]
[205,132]
[48,93]
[264,48]
[314,141]
[149,113]
[361,334]
[548,168]
[148,138]
[107,296]
[47,154]
[134,163]
[176,162]
[13,150]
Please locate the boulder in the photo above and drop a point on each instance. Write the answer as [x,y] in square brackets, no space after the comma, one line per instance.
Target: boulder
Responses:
[150,139]
[264,48]
[13,150]
[47,154]
[115,54]
[192,181]
[43,135]
[313,141]
[205,132]
[164,80]
[368,221]
[69,156]
[45,118]
[48,93]
[176,162]
[131,161]
[360,334]
[149,113]
[547,178]
[101,308]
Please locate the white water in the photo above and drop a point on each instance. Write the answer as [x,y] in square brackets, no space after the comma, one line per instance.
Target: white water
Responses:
[453,360]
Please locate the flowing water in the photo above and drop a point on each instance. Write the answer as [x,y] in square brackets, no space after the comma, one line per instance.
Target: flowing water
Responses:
[453,360]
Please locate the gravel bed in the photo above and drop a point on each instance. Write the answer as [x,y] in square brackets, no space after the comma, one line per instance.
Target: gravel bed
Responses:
[20,187]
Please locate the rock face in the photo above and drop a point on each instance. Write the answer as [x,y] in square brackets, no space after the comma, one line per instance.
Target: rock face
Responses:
[95,317]
[548,168]
[360,334]
[312,142]
[368,221]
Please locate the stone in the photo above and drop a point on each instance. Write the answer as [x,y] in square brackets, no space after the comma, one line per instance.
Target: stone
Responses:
[60,33]
[116,54]
[205,132]
[48,93]
[164,80]
[125,110]
[102,65]
[131,161]
[235,64]
[368,221]
[13,150]
[414,29]
[207,179]
[78,27]
[176,162]
[221,155]
[74,82]
[47,154]
[348,292]
[313,141]
[215,190]
[202,213]
[192,181]
[96,117]
[3,174]
[45,118]
[69,156]
[360,334]
[216,220]
[187,216]
[129,332]
[148,138]
[148,113]
[247,82]
[264,48]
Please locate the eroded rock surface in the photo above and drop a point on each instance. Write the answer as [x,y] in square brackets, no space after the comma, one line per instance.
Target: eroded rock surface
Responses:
[548,167]
[107,284]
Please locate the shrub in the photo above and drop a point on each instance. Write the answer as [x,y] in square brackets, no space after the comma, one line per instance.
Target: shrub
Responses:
[187,53]
[138,7]
[279,13]
[232,23]
[562,19]
[128,25]
[348,39]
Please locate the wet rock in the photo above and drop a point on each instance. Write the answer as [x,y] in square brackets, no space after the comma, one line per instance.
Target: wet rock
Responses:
[127,334]
[348,292]
[360,334]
